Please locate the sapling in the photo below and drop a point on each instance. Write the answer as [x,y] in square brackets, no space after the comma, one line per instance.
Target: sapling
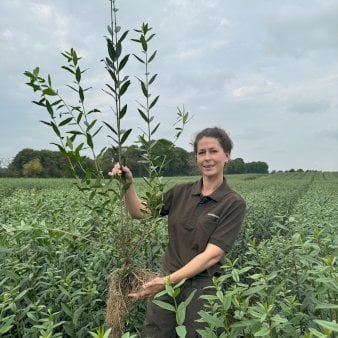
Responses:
[77,127]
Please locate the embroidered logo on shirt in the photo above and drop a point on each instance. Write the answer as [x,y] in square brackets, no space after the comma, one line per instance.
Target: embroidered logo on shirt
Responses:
[213,215]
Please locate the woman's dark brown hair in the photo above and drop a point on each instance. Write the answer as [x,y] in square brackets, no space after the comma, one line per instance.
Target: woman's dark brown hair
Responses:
[217,133]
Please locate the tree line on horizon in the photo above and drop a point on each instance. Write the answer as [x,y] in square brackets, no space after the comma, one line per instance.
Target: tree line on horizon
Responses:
[179,162]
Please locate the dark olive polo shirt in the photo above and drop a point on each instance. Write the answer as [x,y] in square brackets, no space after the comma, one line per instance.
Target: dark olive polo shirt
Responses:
[195,221]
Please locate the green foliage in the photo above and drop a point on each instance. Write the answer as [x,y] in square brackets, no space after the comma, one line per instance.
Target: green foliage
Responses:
[56,253]
[173,291]
[76,128]
[33,168]
[238,166]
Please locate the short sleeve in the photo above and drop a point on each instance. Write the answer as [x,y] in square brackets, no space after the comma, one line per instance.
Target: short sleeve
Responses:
[229,226]
[167,198]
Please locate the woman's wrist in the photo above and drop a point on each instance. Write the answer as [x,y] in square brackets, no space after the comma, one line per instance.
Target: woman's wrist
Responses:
[166,280]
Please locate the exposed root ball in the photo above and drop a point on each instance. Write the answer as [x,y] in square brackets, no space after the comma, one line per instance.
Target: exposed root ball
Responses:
[118,304]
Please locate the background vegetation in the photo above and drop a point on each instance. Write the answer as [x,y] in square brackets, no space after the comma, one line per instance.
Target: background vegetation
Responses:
[179,162]
[280,279]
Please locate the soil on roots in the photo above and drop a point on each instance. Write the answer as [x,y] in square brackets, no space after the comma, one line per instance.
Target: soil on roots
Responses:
[118,304]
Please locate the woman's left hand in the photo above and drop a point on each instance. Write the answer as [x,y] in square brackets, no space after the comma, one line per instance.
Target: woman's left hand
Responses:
[150,288]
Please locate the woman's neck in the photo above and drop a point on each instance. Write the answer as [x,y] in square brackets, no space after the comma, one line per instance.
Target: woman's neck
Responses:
[211,184]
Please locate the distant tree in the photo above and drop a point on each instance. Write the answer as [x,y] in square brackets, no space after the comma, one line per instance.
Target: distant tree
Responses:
[134,161]
[236,166]
[178,161]
[53,163]
[300,170]
[33,168]
[292,170]
[4,162]
[258,167]
[193,170]
[107,160]
[21,158]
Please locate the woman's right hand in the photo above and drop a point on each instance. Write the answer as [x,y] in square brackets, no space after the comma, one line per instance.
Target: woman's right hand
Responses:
[118,170]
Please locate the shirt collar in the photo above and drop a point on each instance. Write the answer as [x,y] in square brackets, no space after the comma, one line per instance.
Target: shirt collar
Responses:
[217,195]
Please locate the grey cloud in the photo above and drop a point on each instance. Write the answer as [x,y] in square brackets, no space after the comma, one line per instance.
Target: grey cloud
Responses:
[298,30]
[330,133]
[310,106]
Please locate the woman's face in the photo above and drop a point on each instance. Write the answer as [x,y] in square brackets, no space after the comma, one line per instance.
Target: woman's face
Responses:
[210,157]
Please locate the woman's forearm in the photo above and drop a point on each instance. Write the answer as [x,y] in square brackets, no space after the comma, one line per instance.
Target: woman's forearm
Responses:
[134,205]
[209,257]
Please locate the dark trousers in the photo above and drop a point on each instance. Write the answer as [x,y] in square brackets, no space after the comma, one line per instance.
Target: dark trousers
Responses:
[161,323]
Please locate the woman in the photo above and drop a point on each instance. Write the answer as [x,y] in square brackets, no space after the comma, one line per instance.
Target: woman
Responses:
[204,218]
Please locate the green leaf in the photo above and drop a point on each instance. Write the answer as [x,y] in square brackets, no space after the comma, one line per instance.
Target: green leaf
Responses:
[56,129]
[181,331]
[78,74]
[143,115]
[36,71]
[123,36]
[124,87]
[164,305]
[46,123]
[155,129]
[66,310]
[64,122]
[20,295]
[97,131]
[125,135]
[49,108]
[75,132]
[49,81]
[152,104]
[118,49]
[68,69]
[264,331]
[212,320]
[152,79]
[49,91]
[61,148]
[326,306]
[111,50]
[123,62]
[317,334]
[150,37]
[138,58]
[110,127]
[332,326]
[69,143]
[152,56]
[91,125]
[89,140]
[123,111]
[7,325]
[189,299]
[144,89]
[81,95]
[144,43]
[79,117]
[180,314]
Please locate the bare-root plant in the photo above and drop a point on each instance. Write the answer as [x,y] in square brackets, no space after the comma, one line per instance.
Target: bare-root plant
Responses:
[76,129]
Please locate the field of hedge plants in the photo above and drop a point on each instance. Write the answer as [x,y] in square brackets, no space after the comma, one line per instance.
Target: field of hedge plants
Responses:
[280,279]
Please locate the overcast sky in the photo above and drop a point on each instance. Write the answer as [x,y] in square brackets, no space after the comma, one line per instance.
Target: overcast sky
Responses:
[264,70]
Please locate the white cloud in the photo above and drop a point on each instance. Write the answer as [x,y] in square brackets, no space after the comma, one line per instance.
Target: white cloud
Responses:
[253,91]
